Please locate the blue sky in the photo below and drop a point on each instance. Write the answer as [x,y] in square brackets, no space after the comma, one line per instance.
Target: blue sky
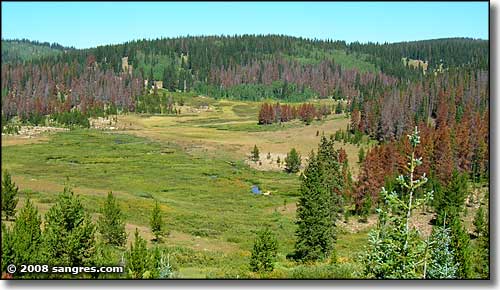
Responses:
[87,24]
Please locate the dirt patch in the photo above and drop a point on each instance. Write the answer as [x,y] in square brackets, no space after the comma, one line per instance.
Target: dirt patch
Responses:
[475,200]
[104,123]
[33,131]
[200,243]
[19,140]
[30,135]
[287,209]
[355,225]
[420,220]
[196,110]
[144,232]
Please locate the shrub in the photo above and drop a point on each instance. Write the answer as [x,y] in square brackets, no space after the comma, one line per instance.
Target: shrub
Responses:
[74,118]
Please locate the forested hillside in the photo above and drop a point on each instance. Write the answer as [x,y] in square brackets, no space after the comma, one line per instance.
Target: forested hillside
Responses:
[448,52]
[240,67]
[15,51]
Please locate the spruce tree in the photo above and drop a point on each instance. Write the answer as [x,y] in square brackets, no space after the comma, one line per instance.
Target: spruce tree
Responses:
[69,233]
[160,264]
[264,251]
[156,222]
[255,154]
[333,177]
[442,263]
[292,161]
[9,196]
[315,231]
[322,187]
[111,224]
[395,251]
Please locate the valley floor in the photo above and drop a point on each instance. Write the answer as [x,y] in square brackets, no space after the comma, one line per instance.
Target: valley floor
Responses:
[196,165]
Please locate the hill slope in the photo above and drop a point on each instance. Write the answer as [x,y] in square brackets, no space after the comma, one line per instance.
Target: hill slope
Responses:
[22,50]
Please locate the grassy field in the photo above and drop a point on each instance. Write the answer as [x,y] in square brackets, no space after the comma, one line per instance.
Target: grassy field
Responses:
[194,165]
[231,127]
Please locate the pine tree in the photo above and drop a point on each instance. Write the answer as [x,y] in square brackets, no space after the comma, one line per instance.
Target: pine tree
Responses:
[380,163]
[255,154]
[482,253]
[460,243]
[315,232]
[264,251]
[479,160]
[366,208]
[137,262]
[111,224]
[339,108]
[8,253]
[69,233]
[450,201]
[355,120]
[267,114]
[27,236]
[347,183]
[463,146]
[292,161]
[9,196]
[443,155]
[479,222]
[104,255]
[361,155]
[156,222]
[395,251]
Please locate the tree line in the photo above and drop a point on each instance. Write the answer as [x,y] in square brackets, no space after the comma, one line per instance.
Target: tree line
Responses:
[306,112]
